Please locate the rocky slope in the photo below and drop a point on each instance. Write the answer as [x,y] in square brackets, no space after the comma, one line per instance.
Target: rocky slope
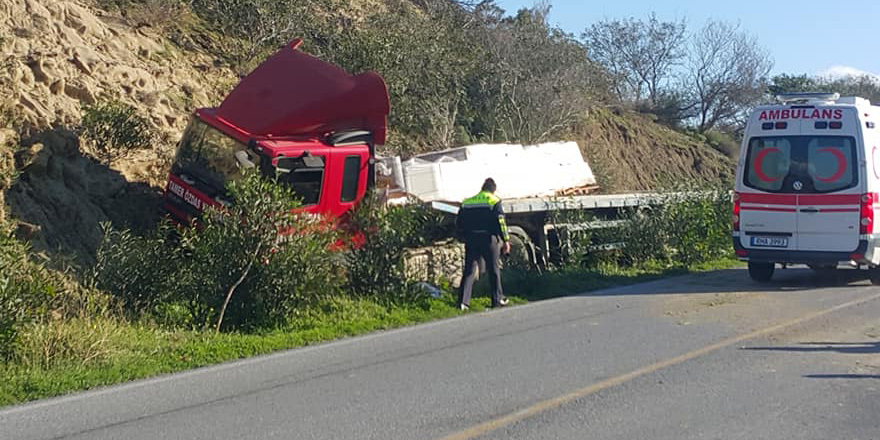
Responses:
[60,56]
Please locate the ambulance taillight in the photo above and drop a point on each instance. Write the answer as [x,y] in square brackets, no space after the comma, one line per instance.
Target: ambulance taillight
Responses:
[866,222]
[736,210]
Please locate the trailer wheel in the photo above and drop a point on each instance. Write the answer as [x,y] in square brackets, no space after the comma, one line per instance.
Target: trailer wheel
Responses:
[523,252]
[761,272]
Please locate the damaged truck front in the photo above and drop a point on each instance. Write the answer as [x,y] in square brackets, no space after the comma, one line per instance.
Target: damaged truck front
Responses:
[299,118]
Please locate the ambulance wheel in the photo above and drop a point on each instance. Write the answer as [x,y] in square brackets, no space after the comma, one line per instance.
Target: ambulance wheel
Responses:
[761,272]
[874,274]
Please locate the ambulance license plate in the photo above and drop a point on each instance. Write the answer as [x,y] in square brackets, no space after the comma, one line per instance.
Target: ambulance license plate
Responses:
[770,241]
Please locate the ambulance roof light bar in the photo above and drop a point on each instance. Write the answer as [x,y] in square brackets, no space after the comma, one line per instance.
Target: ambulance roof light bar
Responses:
[787,98]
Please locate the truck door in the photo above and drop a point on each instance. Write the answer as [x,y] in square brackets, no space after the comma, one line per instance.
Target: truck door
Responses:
[348,170]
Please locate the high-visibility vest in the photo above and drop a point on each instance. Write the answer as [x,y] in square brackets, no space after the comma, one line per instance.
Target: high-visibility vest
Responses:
[482,214]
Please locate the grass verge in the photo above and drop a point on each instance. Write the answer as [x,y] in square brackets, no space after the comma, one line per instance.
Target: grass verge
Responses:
[121,352]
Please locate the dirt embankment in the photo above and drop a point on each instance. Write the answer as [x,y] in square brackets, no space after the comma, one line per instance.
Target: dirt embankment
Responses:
[59,57]
[629,152]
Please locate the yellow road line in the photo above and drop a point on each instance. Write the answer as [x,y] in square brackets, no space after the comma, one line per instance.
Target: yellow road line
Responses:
[555,402]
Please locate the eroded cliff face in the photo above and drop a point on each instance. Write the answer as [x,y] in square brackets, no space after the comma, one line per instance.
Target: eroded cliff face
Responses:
[59,57]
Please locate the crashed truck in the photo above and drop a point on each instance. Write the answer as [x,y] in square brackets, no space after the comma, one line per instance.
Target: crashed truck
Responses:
[316,128]
[536,183]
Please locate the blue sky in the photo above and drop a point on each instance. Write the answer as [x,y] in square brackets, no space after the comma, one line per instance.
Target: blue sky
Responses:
[807,36]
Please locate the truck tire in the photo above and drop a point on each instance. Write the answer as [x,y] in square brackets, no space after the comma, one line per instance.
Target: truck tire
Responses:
[523,252]
[761,272]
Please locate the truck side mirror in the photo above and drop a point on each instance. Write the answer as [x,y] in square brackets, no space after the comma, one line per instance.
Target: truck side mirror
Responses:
[313,161]
[244,159]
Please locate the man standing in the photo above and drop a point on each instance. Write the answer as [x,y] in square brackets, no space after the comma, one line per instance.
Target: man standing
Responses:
[480,224]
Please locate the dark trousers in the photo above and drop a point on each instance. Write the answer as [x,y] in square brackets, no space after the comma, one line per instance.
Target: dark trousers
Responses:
[487,248]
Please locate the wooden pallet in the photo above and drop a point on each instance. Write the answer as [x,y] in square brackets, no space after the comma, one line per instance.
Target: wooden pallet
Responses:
[579,191]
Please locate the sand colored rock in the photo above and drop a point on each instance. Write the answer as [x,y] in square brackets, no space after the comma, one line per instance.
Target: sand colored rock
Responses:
[64,56]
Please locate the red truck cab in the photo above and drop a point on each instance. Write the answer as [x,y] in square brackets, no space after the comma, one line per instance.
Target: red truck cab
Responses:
[296,117]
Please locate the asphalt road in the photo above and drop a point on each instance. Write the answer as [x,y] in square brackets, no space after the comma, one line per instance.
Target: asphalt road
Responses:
[711,356]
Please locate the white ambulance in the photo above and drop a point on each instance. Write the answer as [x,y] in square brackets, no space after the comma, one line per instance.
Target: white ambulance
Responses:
[807,185]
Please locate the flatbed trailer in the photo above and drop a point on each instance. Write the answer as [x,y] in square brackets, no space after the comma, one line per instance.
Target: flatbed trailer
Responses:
[539,228]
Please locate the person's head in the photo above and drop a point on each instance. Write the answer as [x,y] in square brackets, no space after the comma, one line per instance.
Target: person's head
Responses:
[489,185]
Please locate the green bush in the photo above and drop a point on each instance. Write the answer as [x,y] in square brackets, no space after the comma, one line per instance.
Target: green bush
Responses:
[687,228]
[26,290]
[375,269]
[115,130]
[140,271]
[723,142]
[251,264]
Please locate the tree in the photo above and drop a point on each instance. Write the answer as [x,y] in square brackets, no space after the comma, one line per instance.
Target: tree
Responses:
[865,86]
[786,83]
[641,55]
[726,74]
[536,80]
[425,57]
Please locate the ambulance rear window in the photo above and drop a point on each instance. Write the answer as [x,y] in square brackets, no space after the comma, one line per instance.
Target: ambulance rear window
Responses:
[769,161]
[801,164]
[830,163]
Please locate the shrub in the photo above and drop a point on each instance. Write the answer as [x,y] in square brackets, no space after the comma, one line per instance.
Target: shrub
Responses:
[685,229]
[723,142]
[140,271]
[115,130]
[251,264]
[376,268]
[25,290]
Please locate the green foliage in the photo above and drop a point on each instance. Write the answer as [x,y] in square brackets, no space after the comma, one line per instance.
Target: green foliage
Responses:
[139,270]
[535,80]
[571,245]
[723,142]
[375,269]
[687,228]
[26,290]
[864,86]
[251,264]
[786,83]
[115,130]
[244,31]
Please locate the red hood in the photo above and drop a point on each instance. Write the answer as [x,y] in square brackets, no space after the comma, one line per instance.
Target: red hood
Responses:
[294,93]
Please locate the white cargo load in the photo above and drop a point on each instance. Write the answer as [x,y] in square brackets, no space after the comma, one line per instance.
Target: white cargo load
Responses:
[520,171]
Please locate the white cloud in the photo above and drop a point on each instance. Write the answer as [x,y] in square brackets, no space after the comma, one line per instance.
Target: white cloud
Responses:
[845,71]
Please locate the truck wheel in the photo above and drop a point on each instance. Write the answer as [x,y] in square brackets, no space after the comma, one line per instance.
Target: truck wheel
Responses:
[761,272]
[523,253]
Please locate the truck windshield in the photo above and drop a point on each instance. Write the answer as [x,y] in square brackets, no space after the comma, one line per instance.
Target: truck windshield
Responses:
[801,164]
[208,155]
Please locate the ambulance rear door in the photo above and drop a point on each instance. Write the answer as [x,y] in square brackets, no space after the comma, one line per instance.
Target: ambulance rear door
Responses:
[829,182]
